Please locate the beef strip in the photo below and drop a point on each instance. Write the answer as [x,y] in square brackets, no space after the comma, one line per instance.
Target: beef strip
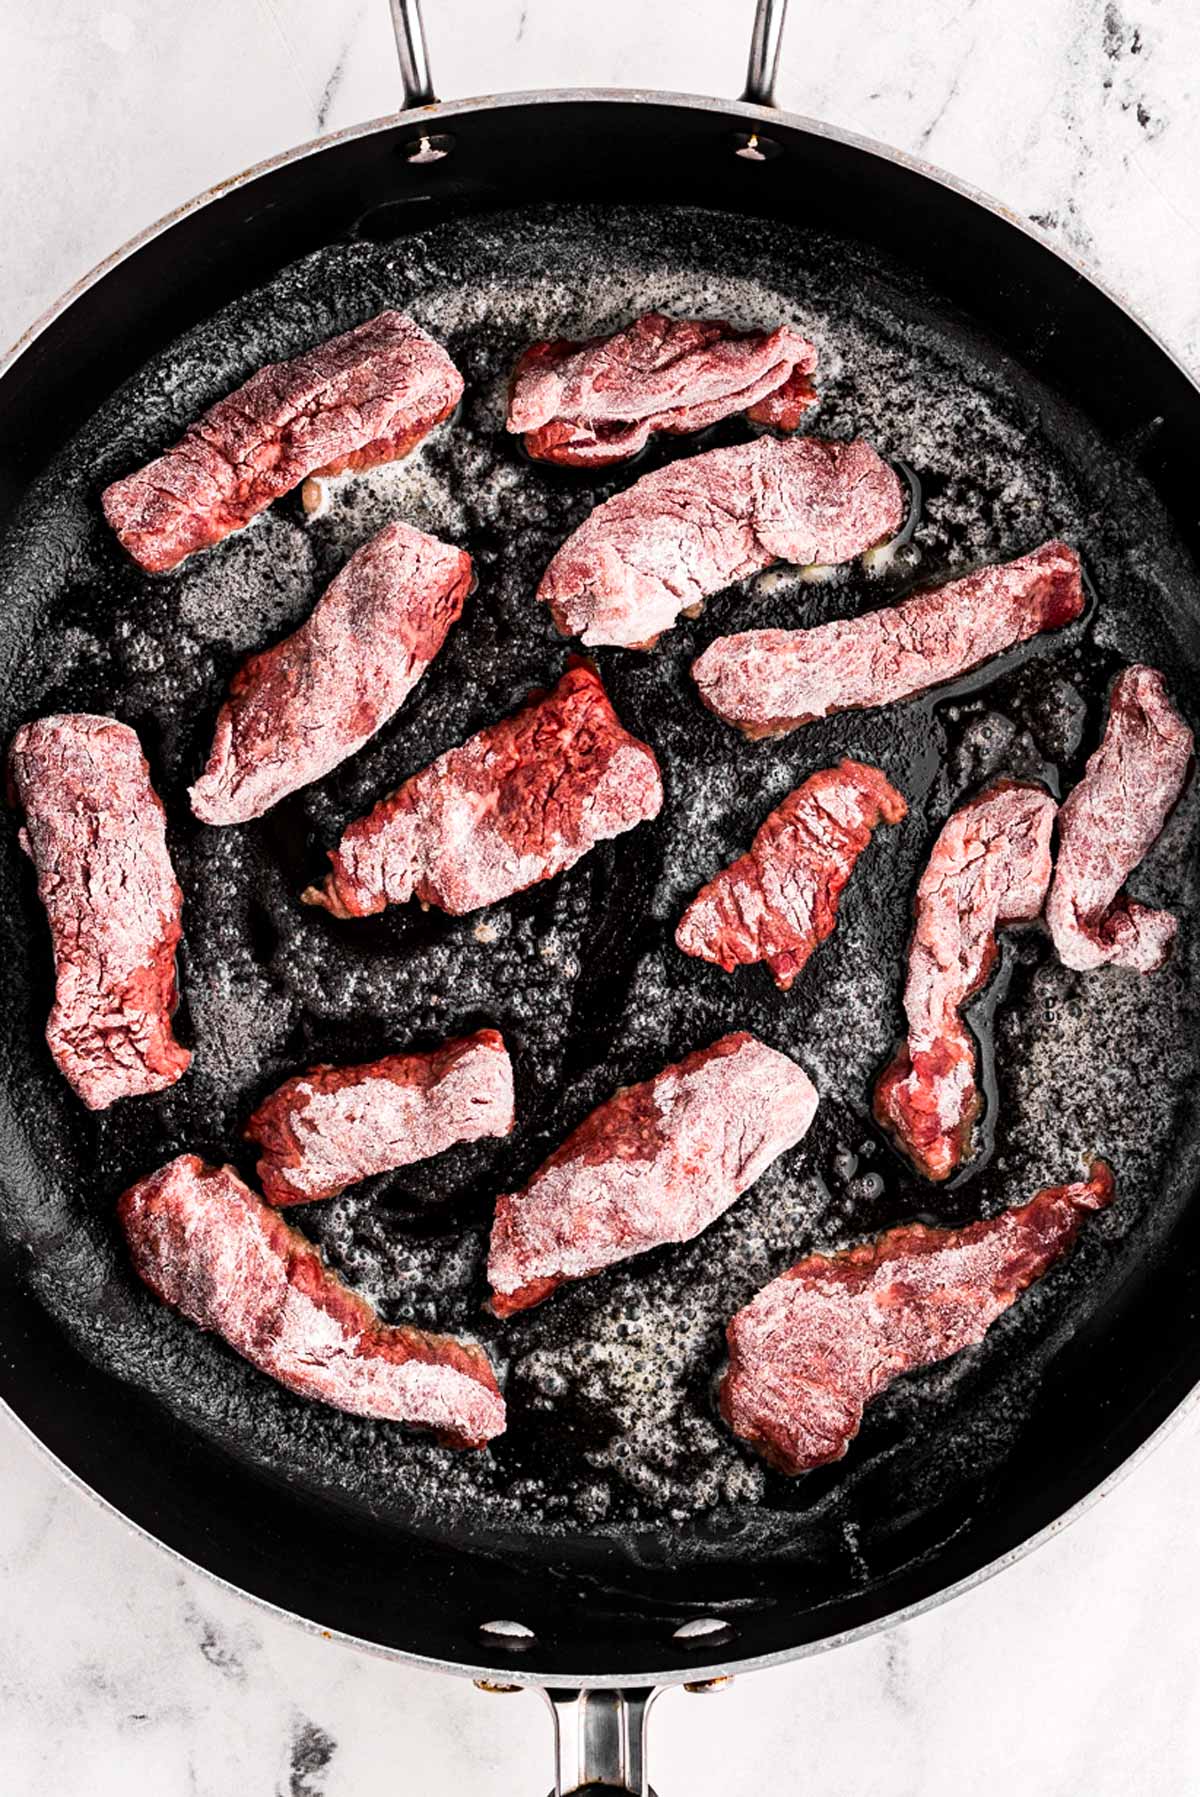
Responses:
[593,403]
[657,1163]
[95,830]
[1109,823]
[989,868]
[779,901]
[688,530]
[353,401]
[816,1345]
[296,711]
[518,803]
[767,682]
[206,1244]
[333,1126]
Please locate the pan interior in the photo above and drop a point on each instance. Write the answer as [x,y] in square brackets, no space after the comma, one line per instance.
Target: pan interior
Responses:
[614,1445]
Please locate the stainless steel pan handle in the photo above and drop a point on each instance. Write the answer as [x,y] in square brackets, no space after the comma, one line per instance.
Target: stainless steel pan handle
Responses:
[414,56]
[600,1739]
[765,42]
[767,35]
[600,1736]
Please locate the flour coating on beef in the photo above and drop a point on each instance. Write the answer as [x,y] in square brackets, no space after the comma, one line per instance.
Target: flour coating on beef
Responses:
[518,803]
[989,868]
[592,403]
[657,1163]
[1110,822]
[206,1244]
[332,1126]
[365,397]
[814,1347]
[296,711]
[767,682]
[780,901]
[95,831]
[686,531]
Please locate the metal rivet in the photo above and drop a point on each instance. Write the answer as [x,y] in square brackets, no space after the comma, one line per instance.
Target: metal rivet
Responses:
[495,1689]
[752,146]
[703,1627]
[431,146]
[703,1686]
[507,1634]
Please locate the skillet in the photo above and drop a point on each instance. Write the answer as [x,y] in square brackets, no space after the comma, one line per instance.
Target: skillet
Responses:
[968,348]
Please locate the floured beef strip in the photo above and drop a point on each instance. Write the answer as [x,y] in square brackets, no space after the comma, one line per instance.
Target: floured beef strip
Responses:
[814,1347]
[296,711]
[1109,823]
[657,1163]
[589,404]
[518,803]
[989,868]
[95,830]
[332,1126]
[368,396]
[779,901]
[767,682]
[206,1244]
[686,531]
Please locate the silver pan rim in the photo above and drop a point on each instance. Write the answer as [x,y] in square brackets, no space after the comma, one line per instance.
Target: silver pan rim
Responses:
[422,118]
[511,1672]
[440,111]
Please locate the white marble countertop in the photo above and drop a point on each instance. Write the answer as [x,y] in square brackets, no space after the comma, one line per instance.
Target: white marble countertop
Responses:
[1075,1671]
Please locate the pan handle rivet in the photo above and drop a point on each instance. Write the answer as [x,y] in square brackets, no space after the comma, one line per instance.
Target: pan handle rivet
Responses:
[752,146]
[703,1686]
[431,146]
[496,1689]
[512,1635]
[705,1628]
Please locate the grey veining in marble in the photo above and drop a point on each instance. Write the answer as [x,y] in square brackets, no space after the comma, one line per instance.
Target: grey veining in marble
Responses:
[1075,1672]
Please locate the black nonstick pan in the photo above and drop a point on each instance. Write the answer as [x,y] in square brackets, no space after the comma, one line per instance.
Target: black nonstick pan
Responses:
[616,1540]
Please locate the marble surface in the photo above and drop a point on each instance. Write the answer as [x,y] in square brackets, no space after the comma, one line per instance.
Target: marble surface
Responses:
[120,1673]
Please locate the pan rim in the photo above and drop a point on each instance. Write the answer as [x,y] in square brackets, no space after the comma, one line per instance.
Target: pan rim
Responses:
[514,1674]
[422,118]
[445,109]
